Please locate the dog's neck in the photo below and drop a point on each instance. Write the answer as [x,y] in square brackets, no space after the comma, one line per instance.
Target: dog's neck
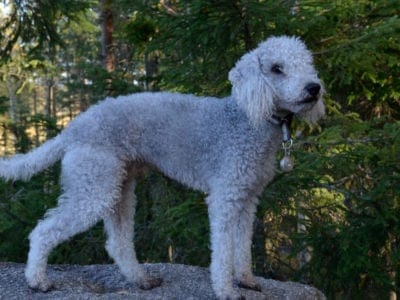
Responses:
[284,121]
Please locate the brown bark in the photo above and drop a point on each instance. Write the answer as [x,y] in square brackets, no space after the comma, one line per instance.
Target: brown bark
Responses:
[13,83]
[49,106]
[151,66]
[107,47]
[107,29]
[35,112]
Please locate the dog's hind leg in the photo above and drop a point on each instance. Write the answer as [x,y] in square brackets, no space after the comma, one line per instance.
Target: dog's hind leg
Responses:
[119,225]
[242,239]
[91,180]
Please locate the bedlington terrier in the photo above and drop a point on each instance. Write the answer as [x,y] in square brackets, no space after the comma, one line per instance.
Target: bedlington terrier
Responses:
[224,147]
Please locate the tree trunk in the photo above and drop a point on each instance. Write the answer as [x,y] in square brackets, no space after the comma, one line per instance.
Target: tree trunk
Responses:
[107,47]
[247,38]
[49,109]
[151,66]
[35,112]
[49,97]
[13,84]
[5,139]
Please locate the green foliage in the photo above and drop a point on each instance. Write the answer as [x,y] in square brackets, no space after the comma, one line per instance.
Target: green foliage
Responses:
[139,30]
[345,184]
[171,223]
[363,246]
[22,205]
[34,23]
[357,47]
[193,37]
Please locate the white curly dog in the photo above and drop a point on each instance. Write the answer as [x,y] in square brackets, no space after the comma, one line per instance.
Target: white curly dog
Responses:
[223,147]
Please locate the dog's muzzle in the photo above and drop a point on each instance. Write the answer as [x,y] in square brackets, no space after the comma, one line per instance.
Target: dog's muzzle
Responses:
[312,89]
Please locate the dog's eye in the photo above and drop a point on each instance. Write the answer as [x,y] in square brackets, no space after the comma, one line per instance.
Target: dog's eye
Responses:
[277,69]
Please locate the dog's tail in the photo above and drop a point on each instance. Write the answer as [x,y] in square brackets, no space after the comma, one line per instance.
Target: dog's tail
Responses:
[24,166]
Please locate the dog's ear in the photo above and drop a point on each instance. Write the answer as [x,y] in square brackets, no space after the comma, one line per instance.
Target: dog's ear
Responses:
[250,89]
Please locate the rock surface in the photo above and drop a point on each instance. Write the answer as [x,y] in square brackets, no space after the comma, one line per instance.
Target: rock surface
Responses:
[106,282]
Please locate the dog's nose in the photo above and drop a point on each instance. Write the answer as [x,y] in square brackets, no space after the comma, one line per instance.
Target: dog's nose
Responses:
[313,88]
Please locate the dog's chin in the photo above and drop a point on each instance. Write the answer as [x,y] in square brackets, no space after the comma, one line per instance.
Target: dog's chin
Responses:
[311,111]
[297,107]
[305,104]
[300,106]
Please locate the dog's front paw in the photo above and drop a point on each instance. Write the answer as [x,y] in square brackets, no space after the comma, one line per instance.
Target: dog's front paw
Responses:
[37,279]
[43,285]
[249,285]
[248,282]
[149,283]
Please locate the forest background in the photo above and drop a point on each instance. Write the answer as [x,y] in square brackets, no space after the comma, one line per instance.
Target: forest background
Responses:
[332,222]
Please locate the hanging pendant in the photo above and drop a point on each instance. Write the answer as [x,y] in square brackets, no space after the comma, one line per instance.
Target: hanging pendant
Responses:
[286,162]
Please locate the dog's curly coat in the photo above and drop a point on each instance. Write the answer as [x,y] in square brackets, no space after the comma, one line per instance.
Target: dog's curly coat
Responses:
[223,147]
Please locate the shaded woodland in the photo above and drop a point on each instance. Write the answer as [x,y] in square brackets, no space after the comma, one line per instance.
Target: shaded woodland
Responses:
[333,222]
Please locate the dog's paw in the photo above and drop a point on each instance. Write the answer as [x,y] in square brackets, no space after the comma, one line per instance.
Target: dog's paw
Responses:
[249,285]
[44,285]
[150,283]
[248,281]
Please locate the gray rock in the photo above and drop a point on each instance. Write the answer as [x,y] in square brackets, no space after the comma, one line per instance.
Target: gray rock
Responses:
[105,282]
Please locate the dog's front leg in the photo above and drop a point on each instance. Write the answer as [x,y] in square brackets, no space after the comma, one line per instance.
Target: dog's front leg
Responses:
[242,240]
[222,215]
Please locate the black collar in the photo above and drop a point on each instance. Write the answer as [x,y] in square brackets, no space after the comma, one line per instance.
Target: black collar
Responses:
[285,123]
[278,120]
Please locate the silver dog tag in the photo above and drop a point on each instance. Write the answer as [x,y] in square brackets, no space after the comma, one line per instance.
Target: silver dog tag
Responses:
[286,163]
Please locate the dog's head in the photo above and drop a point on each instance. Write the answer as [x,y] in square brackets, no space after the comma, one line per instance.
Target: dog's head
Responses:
[278,77]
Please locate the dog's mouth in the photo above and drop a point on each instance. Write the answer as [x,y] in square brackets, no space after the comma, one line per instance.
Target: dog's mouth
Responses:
[308,99]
